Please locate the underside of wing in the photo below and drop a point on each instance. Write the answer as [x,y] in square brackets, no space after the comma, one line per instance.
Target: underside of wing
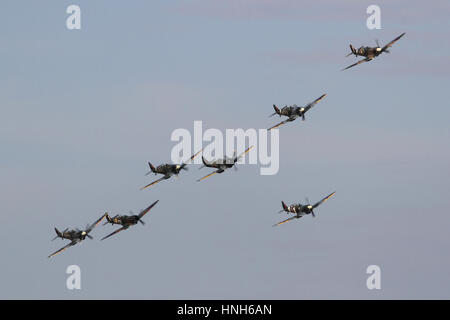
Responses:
[92,226]
[392,42]
[243,153]
[323,200]
[143,212]
[287,220]
[312,104]
[154,182]
[355,64]
[192,158]
[278,125]
[113,233]
[209,175]
[63,248]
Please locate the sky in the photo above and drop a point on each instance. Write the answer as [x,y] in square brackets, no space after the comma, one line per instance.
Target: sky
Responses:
[83,111]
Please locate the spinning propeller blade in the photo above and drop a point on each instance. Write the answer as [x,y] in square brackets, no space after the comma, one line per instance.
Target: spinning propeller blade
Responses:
[312,211]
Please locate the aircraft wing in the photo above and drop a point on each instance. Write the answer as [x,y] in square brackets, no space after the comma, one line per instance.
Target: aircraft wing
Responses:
[154,182]
[392,42]
[278,125]
[312,104]
[113,233]
[243,153]
[192,158]
[143,212]
[74,242]
[323,200]
[287,220]
[355,64]
[92,226]
[209,175]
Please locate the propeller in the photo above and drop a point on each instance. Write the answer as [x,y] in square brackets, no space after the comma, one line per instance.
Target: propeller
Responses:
[143,223]
[378,44]
[87,234]
[309,205]
[303,116]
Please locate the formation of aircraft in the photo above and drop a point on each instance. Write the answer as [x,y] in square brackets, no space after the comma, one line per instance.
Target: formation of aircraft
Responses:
[76,235]
[370,52]
[168,170]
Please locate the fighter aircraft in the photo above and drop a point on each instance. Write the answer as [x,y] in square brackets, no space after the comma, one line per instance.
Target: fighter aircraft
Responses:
[300,210]
[127,221]
[370,52]
[222,164]
[75,236]
[168,170]
[293,112]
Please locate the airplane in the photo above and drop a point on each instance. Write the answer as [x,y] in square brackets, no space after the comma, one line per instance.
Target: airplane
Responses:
[370,52]
[127,221]
[222,164]
[300,210]
[75,235]
[293,112]
[168,170]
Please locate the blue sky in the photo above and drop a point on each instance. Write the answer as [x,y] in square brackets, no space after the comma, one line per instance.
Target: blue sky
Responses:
[83,111]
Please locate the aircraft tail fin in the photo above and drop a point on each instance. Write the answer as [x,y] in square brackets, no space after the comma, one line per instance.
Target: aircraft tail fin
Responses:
[152,169]
[352,48]
[108,219]
[285,207]
[205,162]
[58,234]
[277,111]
